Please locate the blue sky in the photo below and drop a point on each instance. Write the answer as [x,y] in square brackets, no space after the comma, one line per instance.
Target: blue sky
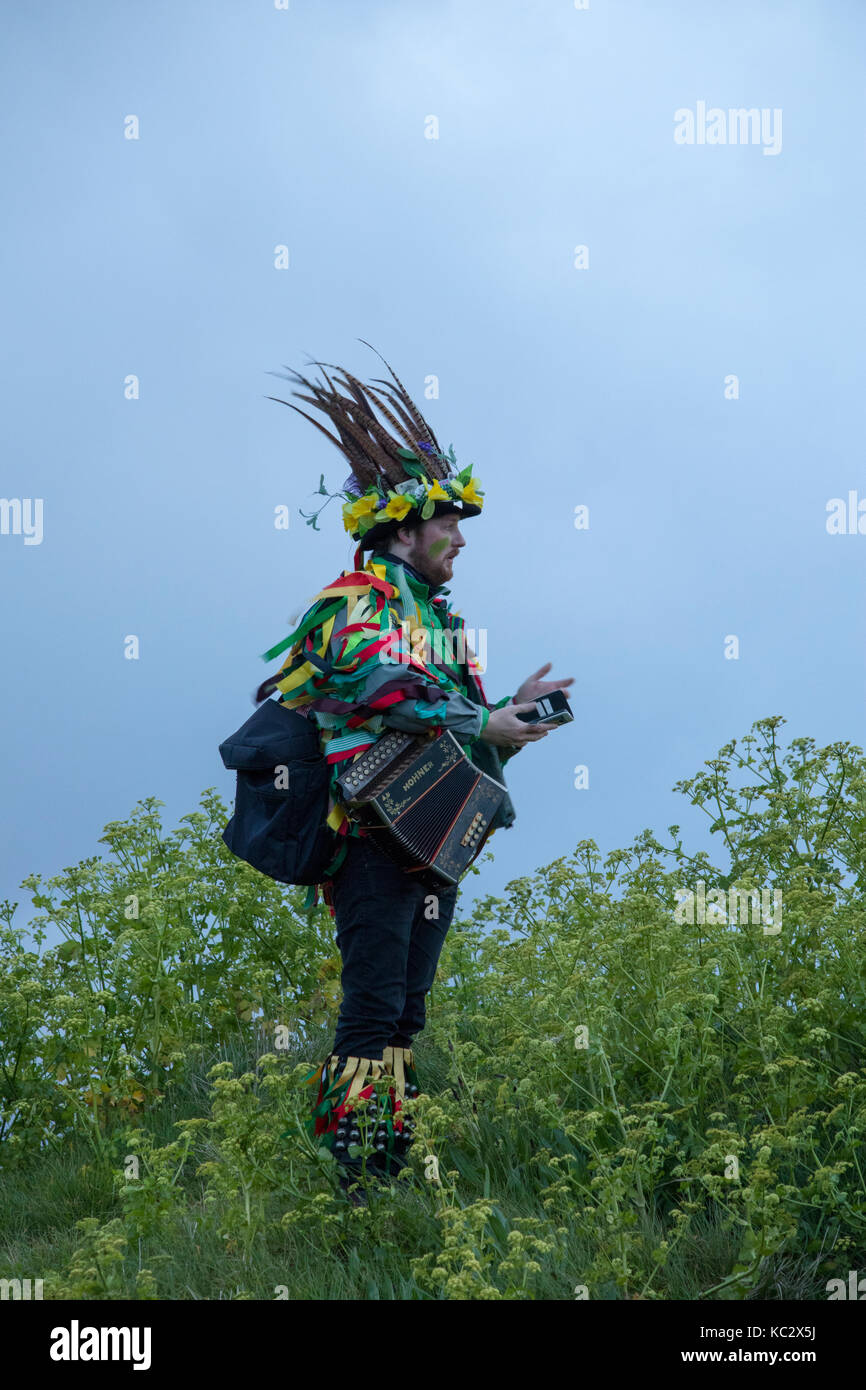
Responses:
[261,127]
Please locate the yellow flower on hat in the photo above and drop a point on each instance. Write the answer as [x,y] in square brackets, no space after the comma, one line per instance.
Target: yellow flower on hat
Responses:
[469,494]
[436,493]
[354,511]
[397,508]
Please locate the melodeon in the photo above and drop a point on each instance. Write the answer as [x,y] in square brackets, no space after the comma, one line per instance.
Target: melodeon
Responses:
[423,801]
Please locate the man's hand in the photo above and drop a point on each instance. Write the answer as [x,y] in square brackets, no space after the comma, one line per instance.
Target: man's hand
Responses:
[533,688]
[505,730]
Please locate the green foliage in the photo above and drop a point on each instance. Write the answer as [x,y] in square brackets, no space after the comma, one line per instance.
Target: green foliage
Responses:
[168,949]
[619,1102]
[96,1269]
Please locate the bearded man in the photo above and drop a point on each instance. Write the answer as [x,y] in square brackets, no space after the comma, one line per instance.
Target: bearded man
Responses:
[374,652]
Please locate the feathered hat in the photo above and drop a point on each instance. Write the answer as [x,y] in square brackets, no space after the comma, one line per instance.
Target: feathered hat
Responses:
[399,473]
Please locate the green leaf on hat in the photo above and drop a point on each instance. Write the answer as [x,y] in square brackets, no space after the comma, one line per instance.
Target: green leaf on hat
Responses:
[414,470]
[428,509]
[407,454]
[465,474]
[322,487]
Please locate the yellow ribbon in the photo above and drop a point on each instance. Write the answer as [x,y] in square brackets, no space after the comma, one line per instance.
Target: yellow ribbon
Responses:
[358,1068]
[395,1060]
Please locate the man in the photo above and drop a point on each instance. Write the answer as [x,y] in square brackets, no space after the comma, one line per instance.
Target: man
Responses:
[376,650]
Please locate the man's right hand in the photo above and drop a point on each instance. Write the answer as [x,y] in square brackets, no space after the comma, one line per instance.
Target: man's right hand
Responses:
[505,730]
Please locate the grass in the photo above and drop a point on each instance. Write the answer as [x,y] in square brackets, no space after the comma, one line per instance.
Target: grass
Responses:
[192,1258]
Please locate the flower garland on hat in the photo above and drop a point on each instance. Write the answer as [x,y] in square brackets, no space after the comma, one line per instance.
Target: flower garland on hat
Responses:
[418,494]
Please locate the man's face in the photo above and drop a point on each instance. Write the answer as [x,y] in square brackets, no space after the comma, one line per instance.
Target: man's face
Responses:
[434,545]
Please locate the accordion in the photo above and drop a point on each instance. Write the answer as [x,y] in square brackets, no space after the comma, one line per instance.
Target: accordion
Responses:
[423,801]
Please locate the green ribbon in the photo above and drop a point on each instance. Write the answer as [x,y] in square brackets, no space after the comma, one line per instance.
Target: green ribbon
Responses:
[318,615]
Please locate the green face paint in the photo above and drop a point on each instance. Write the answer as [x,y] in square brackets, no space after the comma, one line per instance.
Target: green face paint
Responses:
[437,547]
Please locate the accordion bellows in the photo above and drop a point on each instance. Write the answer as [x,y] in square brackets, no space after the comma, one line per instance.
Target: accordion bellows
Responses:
[429,807]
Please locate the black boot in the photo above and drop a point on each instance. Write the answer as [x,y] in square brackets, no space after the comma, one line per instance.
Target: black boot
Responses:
[345,1113]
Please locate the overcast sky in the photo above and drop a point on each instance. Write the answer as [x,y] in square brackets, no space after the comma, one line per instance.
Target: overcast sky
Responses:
[694,377]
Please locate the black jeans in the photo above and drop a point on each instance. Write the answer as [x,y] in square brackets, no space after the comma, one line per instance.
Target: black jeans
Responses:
[390,931]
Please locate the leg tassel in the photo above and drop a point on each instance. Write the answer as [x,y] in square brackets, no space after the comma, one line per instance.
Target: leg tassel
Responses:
[347,1109]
